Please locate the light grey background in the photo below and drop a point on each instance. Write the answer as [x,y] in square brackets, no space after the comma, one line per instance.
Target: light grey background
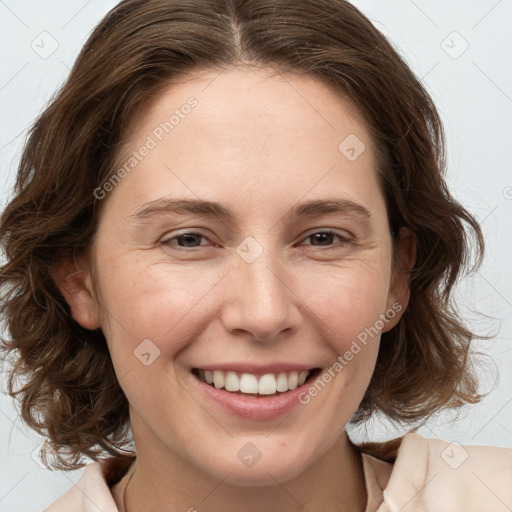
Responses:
[473,90]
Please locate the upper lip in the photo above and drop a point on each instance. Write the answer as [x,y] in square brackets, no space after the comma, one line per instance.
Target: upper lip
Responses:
[257,369]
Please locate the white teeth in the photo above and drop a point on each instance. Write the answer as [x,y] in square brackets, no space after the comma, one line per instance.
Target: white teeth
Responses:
[282,382]
[267,384]
[218,379]
[302,377]
[293,380]
[232,382]
[248,383]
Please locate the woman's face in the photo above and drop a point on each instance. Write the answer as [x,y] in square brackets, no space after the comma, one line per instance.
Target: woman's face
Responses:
[298,276]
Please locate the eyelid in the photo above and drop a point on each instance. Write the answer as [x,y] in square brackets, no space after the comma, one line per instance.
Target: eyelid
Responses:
[337,232]
[344,236]
[165,239]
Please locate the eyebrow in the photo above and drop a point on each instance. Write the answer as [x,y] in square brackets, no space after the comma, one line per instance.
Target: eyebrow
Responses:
[313,208]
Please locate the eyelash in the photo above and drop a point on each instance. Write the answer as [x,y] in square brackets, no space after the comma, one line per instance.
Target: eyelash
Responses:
[344,240]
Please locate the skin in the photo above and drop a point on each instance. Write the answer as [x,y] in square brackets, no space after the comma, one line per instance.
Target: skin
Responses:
[258,142]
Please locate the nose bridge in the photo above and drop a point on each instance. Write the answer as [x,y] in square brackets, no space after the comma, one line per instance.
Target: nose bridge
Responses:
[261,302]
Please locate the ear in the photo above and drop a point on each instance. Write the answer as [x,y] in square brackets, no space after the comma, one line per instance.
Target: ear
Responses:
[74,282]
[399,290]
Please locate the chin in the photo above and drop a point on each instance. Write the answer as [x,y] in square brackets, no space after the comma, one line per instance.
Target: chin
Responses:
[265,469]
[263,475]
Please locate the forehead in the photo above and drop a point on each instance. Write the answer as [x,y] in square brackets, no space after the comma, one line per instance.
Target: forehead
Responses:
[259,134]
[244,107]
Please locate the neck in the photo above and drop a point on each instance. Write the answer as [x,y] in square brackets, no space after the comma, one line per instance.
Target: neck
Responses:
[335,482]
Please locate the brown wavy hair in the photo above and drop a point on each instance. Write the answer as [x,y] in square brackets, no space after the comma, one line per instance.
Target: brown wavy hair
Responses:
[69,392]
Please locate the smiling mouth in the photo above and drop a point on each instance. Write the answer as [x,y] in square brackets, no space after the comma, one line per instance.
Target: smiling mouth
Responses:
[269,384]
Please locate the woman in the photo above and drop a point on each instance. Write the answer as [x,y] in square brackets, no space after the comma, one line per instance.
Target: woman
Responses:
[231,237]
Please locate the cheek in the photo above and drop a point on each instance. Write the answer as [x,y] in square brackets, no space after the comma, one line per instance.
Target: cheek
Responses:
[346,303]
[157,302]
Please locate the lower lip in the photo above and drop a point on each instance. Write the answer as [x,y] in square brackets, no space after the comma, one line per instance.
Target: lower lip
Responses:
[266,407]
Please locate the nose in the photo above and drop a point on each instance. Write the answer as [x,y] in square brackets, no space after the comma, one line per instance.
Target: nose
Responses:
[260,299]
